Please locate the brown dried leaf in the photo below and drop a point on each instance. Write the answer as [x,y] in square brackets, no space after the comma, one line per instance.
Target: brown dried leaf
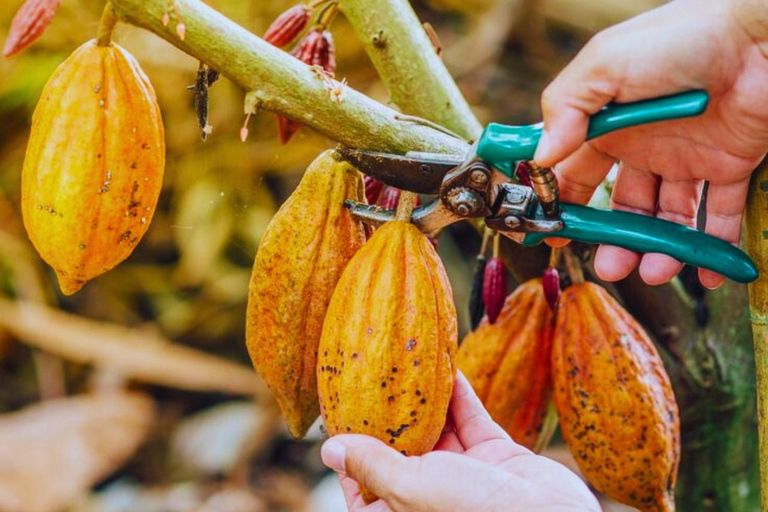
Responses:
[134,353]
[54,451]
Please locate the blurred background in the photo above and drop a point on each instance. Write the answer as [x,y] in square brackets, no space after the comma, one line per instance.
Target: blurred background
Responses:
[137,393]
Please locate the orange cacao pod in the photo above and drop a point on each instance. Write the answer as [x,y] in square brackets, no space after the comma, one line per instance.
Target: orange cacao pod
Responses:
[617,410]
[301,256]
[508,363]
[94,164]
[386,363]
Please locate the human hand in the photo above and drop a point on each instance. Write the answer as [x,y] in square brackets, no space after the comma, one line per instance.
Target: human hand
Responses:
[720,46]
[475,466]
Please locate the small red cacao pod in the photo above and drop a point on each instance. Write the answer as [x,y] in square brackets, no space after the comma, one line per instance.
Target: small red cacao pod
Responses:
[286,128]
[317,49]
[494,288]
[523,173]
[373,188]
[388,198]
[31,20]
[288,25]
[551,284]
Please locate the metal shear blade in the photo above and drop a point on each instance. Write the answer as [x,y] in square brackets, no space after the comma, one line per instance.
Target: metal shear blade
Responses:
[418,172]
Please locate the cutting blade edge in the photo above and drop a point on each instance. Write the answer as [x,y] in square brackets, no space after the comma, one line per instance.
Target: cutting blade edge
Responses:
[417,172]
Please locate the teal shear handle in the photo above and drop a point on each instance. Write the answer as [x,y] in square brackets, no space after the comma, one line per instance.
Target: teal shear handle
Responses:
[503,145]
[648,234]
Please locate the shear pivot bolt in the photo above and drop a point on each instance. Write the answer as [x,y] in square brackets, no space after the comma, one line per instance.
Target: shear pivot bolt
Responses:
[512,222]
[478,177]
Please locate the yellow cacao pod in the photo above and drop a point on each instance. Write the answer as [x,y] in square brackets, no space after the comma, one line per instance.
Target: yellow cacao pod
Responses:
[617,409]
[94,164]
[386,364]
[509,363]
[300,259]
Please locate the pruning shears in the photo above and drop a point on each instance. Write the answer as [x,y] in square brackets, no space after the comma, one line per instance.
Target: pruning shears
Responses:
[482,184]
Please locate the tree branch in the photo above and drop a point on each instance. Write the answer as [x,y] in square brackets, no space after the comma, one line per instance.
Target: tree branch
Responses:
[406,60]
[282,84]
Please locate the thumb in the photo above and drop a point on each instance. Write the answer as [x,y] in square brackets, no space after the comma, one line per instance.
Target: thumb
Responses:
[585,86]
[367,460]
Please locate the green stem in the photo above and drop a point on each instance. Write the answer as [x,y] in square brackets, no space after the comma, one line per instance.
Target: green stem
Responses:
[407,62]
[106,26]
[282,84]
[757,247]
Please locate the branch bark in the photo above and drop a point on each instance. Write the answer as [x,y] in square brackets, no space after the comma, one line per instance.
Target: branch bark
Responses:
[282,84]
[406,60]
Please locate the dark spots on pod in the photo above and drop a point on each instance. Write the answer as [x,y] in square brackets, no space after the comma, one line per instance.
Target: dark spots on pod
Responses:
[325,354]
[354,355]
[365,422]
[392,441]
[423,401]
[403,452]
[410,345]
[394,369]
[418,392]
[416,362]
[413,414]
[391,379]
[146,146]
[135,165]
[399,431]
[349,429]
[390,398]
[383,384]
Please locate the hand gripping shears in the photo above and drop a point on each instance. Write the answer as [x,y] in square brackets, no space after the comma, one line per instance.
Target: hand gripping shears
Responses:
[468,188]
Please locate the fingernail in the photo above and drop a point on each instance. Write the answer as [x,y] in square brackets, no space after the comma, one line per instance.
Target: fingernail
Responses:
[543,147]
[334,455]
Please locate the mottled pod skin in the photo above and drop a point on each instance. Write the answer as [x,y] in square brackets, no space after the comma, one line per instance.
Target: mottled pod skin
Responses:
[94,164]
[387,355]
[617,410]
[300,259]
[508,363]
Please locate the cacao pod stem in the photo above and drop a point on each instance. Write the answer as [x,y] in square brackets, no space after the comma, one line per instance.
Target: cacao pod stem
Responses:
[476,305]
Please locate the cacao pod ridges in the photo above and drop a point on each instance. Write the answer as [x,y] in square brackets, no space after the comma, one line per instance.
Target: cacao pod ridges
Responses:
[617,410]
[300,259]
[508,363]
[387,354]
[94,164]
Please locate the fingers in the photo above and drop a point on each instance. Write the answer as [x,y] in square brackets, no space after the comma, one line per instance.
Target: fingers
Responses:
[634,191]
[725,207]
[678,202]
[587,84]
[581,173]
[471,421]
[449,440]
[367,460]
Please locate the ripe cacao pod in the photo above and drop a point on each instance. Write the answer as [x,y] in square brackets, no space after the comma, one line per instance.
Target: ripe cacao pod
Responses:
[508,363]
[94,164]
[301,256]
[386,363]
[617,410]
